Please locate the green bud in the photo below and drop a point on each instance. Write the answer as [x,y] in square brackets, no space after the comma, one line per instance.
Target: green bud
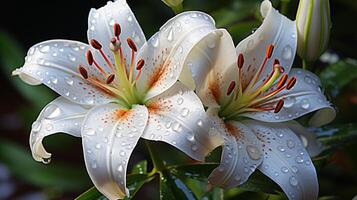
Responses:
[172,3]
[313,26]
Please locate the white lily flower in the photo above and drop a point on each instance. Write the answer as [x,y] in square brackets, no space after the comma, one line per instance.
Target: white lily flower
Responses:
[118,89]
[255,80]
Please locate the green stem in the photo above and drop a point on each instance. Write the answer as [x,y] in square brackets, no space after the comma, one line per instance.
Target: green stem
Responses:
[284,6]
[156,161]
[177,9]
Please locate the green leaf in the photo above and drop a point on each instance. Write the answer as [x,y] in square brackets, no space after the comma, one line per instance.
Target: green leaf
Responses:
[140,167]
[333,136]
[61,176]
[256,182]
[336,76]
[134,183]
[11,57]
[241,30]
[171,187]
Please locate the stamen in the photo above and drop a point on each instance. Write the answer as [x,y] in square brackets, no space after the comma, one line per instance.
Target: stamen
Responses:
[114,44]
[276,62]
[240,61]
[132,44]
[110,79]
[89,57]
[269,51]
[231,87]
[95,44]
[282,81]
[83,72]
[291,83]
[139,66]
[279,106]
[117,30]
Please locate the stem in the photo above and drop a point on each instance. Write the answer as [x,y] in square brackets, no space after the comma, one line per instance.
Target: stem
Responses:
[177,9]
[284,6]
[156,161]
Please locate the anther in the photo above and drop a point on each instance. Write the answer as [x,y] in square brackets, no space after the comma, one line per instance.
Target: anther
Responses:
[269,51]
[291,83]
[132,44]
[282,81]
[276,62]
[140,64]
[117,30]
[83,72]
[240,61]
[279,106]
[95,44]
[231,87]
[89,57]
[110,79]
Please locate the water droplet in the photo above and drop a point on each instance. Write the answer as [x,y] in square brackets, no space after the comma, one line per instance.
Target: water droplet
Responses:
[276,174]
[49,127]
[253,152]
[122,153]
[294,169]
[92,28]
[179,101]
[98,146]
[194,15]
[31,51]
[54,80]
[299,159]
[68,80]
[36,126]
[120,168]
[194,147]
[287,52]
[293,35]
[75,48]
[290,144]
[176,127]
[250,45]
[52,111]
[170,35]
[111,22]
[305,104]
[185,112]
[94,165]
[190,137]
[279,134]
[307,162]
[71,58]
[212,44]
[284,170]
[90,132]
[281,148]
[289,102]
[293,181]
[45,49]
[180,49]
[40,61]
[155,42]
[54,54]
[96,15]
[130,18]
[200,123]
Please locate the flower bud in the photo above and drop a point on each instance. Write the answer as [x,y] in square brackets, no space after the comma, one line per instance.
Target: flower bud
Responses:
[313,26]
[173,3]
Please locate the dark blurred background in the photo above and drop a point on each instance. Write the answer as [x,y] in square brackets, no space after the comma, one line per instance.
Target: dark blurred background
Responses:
[25,23]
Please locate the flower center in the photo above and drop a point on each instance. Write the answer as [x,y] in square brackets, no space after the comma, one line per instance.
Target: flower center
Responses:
[257,96]
[118,82]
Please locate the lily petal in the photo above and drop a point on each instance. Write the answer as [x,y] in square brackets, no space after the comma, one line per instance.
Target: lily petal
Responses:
[305,97]
[241,154]
[110,134]
[213,64]
[285,160]
[101,23]
[55,64]
[58,116]
[177,117]
[307,138]
[276,29]
[165,50]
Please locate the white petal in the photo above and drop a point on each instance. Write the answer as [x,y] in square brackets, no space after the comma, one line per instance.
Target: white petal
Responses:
[55,64]
[286,160]
[307,138]
[305,97]
[177,117]
[165,52]
[209,61]
[240,156]
[110,134]
[100,27]
[276,29]
[58,116]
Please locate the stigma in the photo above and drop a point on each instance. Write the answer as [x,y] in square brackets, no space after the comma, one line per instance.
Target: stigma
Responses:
[259,94]
[116,78]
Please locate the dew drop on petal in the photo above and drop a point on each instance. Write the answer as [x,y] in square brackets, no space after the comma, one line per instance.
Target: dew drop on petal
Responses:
[52,111]
[287,52]
[120,168]
[36,126]
[185,112]
[299,159]
[253,152]
[170,35]
[180,101]
[284,170]
[281,148]
[122,153]
[289,102]
[293,181]
[90,132]
[199,123]
[45,49]
[305,104]
[290,144]
[98,146]
[49,127]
